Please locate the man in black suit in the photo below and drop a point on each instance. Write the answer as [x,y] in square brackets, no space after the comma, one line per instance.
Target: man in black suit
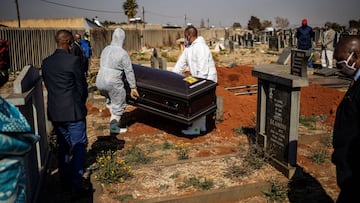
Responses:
[67,94]
[346,136]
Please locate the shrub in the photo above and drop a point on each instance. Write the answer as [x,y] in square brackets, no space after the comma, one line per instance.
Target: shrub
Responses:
[200,183]
[182,152]
[111,169]
[167,145]
[277,192]
[319,154]
[236,171]
[255,159]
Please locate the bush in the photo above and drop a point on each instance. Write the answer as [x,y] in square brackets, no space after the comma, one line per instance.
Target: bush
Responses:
[200,183]
[111,169]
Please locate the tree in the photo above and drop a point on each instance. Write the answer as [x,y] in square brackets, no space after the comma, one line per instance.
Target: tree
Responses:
[236,25]
[335,26]
[254,24]
[354,24]
[130,8]
[265,24]
[281,22]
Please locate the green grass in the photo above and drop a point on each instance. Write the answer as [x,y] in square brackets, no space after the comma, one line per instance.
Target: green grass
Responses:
[135,156]
[277,192]
[200,183]
[319,154]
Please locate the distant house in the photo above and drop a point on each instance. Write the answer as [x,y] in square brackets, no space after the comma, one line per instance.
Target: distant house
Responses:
[171,26]
[73,23]
[97,21]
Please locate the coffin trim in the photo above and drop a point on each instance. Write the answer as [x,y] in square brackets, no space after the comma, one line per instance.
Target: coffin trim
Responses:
[176,94]
[181,119]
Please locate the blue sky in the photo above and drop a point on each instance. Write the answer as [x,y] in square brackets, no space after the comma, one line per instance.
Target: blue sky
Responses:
[213,12]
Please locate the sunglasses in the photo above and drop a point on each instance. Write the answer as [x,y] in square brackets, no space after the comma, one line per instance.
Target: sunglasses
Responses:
[346,62]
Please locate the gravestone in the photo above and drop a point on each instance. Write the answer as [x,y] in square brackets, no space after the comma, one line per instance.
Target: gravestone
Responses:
[284,57]
[154,62]
[327,71]
[273,43]
[278,107]
[158,62]
[28,97]
[299,59]
[162,63]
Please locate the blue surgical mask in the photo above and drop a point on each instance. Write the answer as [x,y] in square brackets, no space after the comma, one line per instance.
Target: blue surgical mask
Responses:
[186,43]
[345,67]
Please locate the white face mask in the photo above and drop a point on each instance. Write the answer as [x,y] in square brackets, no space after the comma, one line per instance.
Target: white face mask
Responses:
[345,67]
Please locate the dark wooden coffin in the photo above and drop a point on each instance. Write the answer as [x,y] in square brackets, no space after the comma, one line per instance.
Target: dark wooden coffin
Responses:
[171,95]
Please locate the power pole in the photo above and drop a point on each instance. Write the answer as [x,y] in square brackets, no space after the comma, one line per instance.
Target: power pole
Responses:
[143,16]
[185,19]
[18,13]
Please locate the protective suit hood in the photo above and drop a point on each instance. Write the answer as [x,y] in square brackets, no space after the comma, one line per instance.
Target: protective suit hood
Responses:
[118,37]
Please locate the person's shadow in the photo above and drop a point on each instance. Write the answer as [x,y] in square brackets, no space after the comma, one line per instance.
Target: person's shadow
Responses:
[102,144]
[51,190]
[305,188]
[302,187]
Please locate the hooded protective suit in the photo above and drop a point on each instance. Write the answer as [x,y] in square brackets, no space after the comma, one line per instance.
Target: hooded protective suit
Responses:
[114,63]
[199,60]
[197,57]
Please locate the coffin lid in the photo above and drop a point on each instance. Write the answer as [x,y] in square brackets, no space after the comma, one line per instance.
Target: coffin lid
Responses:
[170,82]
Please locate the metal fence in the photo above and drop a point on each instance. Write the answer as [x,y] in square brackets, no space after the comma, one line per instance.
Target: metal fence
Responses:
[135,39]
[31,46]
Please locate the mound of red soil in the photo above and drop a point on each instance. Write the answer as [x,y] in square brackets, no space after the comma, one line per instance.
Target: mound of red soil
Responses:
[239,111]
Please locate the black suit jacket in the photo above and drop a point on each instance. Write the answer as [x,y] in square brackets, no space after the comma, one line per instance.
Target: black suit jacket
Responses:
[77,51]
[66,85]
[346,139]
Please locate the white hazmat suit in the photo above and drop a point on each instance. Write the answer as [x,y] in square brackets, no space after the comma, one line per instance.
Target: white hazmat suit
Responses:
[198,58]
[114,63]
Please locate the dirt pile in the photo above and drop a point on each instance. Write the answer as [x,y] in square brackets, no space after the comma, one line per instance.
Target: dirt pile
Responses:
[316,100]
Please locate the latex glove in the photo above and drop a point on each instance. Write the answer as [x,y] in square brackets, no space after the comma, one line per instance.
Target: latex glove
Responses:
[134,93]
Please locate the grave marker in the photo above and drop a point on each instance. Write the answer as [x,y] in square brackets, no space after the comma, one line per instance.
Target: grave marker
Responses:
[273,43]
[277,119]
[299,59]
[284,57]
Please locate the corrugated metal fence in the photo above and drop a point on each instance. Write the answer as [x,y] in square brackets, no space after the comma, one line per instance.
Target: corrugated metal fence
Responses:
[31,46]
[135,39]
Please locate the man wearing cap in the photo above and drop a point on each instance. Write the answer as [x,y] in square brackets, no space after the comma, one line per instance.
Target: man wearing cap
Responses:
[305,35]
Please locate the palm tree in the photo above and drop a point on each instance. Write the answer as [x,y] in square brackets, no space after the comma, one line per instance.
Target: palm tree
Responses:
[130,8]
